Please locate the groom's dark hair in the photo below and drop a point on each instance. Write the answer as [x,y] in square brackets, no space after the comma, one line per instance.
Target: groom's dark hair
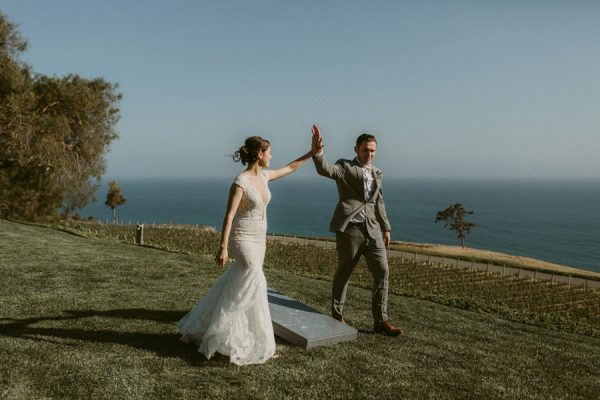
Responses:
[365,137]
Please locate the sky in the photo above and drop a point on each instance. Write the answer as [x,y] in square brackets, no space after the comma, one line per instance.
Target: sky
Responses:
[449,88]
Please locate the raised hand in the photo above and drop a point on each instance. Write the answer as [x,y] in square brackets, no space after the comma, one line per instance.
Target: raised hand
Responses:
[317,140]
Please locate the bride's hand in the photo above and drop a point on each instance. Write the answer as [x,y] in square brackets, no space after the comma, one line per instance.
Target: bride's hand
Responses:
[221,257]
[317,140]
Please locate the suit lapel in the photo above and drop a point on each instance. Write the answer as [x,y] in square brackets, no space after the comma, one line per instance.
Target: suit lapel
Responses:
[376,182]
[376,188]
[360,178]
[376,171]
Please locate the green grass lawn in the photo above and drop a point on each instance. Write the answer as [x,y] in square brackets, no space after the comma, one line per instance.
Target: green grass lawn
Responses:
[89,318]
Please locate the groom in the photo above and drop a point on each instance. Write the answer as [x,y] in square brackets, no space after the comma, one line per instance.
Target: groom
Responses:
[360,224]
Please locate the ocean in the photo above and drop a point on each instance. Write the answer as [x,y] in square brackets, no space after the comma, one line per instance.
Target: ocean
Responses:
[555,220]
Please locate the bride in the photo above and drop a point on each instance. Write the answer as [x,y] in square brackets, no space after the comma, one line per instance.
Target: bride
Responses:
[233,317]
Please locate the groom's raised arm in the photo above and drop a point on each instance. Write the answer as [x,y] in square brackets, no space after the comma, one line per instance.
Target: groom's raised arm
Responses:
[322,166]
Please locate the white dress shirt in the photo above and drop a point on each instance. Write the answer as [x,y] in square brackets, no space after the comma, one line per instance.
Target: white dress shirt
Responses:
[369,187]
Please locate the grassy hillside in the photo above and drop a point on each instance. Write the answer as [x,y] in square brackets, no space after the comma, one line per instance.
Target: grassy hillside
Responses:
[90,318]
[555,305]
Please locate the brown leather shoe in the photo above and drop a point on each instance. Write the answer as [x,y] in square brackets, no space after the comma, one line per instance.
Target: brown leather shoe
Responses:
[388,329]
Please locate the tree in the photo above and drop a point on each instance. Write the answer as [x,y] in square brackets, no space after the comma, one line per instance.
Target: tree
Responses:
[54,133]
[114,198]
[454,216]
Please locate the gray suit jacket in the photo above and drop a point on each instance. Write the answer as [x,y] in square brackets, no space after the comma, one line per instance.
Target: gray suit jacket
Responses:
[348,176]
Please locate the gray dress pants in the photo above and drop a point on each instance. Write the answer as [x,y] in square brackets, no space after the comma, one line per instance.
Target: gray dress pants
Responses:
[351,245]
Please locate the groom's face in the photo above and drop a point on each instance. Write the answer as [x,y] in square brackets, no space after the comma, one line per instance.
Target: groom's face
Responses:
[365,152]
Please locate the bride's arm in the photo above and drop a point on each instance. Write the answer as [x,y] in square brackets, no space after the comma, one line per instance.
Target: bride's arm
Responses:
[235,196]
[288,169]
[316,147]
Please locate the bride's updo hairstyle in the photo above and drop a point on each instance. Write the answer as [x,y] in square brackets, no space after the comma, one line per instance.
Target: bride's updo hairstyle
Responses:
[248,153]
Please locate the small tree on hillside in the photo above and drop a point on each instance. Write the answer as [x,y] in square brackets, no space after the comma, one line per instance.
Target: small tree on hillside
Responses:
[114,198]
[454,216]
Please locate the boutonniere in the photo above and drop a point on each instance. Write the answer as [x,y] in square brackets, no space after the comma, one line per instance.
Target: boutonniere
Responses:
[379,175]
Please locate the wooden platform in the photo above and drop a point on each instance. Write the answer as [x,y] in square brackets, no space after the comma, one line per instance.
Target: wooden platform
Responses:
[304,326]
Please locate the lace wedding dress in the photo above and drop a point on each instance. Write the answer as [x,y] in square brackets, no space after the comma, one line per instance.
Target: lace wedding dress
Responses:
[233,317]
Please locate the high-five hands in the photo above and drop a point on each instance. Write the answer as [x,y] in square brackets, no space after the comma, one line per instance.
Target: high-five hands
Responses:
[317,141]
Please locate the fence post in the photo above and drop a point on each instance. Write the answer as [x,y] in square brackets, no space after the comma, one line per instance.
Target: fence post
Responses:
[503,269]
[569,281]
[139,234]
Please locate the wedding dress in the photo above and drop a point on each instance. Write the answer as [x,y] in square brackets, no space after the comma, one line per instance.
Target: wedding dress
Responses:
[233,318]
